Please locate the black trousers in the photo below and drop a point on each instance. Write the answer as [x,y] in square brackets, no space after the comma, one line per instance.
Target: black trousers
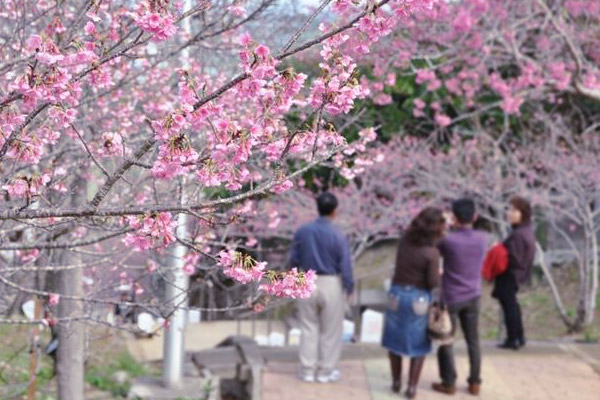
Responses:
[512,317]
[505,291]
[467,314]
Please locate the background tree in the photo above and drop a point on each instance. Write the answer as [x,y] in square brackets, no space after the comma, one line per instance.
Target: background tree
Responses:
[110,128]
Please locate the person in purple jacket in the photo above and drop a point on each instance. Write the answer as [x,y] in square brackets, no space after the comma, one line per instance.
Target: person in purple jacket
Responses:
[463,251]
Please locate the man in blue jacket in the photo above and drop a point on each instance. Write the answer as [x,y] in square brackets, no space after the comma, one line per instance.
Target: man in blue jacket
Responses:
[322,247]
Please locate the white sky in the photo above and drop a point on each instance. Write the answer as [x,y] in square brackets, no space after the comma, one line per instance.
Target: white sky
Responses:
[311,2]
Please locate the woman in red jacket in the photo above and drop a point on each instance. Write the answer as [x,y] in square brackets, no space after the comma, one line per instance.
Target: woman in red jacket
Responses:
[520,245]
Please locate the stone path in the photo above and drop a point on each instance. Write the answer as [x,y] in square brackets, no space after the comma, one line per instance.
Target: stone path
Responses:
[280,382]
[535,375]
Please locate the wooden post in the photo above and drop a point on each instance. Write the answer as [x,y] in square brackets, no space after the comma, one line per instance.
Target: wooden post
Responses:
[34,351]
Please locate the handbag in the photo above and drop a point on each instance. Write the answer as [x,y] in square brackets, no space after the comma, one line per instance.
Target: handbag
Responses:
[439,326]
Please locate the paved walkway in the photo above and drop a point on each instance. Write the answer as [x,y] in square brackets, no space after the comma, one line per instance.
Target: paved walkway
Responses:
[525,375]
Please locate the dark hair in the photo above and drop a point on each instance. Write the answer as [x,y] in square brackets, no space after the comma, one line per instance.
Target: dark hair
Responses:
[524,206]
[427,227]
[326,204]
[464,210]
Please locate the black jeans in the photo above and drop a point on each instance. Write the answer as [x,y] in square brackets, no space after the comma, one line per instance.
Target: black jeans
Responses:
[505,290]
[467,313]
[512,317]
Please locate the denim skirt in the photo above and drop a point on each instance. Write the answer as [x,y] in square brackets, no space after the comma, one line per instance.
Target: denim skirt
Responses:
[405,327]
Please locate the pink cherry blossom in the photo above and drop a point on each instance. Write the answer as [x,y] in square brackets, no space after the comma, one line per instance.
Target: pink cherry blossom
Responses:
[512,105]
[152,266]
[282,187]
[245,39]
[90,28]
[53,299]
[238,11]
[293,284]
[191,260]
[241,268]
[442,120]
[27,186]
[463,22]
[34,42]
[155,230]
[382,99]
[111,145]
[258,308]
[160,26]
[27,256]
[262,51]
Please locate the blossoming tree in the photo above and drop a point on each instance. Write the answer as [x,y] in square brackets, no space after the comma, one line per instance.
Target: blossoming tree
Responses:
[471,57]
[111,130]
[378,201]
[512,89]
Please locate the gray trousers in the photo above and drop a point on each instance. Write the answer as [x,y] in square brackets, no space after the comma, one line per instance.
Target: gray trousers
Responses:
[321,326]
[467,314]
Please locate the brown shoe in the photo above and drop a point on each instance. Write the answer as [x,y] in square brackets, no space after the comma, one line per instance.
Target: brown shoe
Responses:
[474,389]
[442,388]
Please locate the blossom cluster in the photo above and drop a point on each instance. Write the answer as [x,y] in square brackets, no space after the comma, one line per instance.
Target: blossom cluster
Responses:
[26,256]
[244,269]
[241,267]
[155,20]
[155,230]
[27,186]
[292,284]
[191,260]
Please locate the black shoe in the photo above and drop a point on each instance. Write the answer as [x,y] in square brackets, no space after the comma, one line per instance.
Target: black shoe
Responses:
[396,387]
[522,342]
[510,345]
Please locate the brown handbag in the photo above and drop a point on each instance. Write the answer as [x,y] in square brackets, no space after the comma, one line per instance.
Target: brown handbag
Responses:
[439,326]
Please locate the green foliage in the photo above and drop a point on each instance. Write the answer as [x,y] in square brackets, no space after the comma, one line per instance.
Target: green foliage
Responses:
[490,333]
[15,358]
[591,335]
[536,299]
[101,377]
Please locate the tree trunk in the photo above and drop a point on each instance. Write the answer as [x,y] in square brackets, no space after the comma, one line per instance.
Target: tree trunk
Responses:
[584,290]
[71,334]
[553,288]
[593,280]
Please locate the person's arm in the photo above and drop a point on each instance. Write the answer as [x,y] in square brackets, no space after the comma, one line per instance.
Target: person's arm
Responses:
[346,264]
[433,269]
[441,246]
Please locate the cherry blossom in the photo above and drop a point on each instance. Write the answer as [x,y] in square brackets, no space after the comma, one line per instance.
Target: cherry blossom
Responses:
[159,24]
[27,256]
[53,299]
[293,284]
[150,231]
[191,260]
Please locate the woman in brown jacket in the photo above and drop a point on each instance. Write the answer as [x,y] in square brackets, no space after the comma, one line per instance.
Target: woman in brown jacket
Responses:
[416,274]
